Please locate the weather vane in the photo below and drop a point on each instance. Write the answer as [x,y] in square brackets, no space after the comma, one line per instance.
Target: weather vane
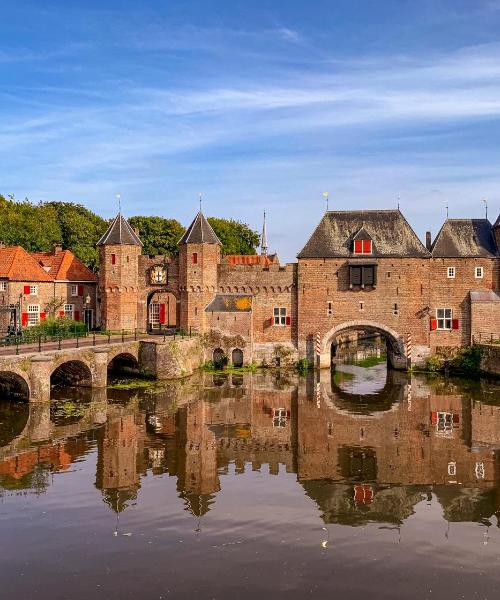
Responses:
[399,199]
[447,211]
[325,195]
[119,198]
[201,198]
[485,200]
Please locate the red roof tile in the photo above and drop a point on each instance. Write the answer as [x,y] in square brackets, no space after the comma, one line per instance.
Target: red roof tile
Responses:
[17,265]
[63,265]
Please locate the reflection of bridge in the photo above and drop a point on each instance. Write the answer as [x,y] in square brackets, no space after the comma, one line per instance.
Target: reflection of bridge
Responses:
[365,465]
[31,375]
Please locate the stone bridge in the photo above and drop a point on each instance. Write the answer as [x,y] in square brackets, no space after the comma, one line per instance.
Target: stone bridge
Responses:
[31,376]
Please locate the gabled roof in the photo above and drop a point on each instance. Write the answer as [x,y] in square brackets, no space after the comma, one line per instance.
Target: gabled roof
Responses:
[199,232]
[390,232]
[252,259]
[230,303]
[119,233]
[497,222]
[465,238]
[362,234]
[17,265]
[63,265]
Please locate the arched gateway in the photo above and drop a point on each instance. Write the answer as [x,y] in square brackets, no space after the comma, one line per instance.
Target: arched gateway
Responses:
[395,342]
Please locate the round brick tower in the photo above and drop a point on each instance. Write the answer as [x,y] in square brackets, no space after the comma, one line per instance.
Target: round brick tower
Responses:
[119,251]
[199,257]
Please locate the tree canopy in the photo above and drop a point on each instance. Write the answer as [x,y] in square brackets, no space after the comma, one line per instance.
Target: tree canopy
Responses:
[37,227]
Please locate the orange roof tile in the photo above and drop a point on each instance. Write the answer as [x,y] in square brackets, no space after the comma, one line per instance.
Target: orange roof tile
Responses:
[251,259]
[63,265]
[17,265]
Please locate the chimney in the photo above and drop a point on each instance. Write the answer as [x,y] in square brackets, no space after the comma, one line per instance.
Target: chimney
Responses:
[57,248]
[428,240]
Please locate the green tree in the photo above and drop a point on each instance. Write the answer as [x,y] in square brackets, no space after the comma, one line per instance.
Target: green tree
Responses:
[235,237]
[159,235]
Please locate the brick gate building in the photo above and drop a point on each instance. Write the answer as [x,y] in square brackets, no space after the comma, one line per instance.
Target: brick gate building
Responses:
[359,271]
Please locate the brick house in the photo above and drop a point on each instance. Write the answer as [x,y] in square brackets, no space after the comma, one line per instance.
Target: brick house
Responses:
[359,271]
[35,286]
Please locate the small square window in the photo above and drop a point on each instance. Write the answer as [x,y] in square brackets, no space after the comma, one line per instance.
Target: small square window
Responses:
[33,290]
[279,316]
[444,317]
[451,272]
[452,468]
[3,286]
[74,290]
[479,272]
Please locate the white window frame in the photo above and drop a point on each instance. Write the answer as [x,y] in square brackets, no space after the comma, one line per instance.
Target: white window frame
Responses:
[3,286]
[69,311]
[33,290]
[33,315]
[279,417]
[279,315]
[452,469]
[444,319]
[154,314]
[479,470]
[74,291]
[479,272]
[444,423]
[451,272]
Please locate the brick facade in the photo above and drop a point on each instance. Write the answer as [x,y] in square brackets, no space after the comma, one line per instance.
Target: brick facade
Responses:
[291,304]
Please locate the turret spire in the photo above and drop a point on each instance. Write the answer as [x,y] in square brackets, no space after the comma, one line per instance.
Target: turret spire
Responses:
[263,239]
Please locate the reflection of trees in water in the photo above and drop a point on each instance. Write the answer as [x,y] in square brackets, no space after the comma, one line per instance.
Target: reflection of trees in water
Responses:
[36,481]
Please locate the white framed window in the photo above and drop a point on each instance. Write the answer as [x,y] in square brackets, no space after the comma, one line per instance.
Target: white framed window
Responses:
[74,290]
[279,316]
[444,318]
[452,469]
[444,422]
[33,314]
[479,272]
[479,470]
[69,311]
[451,272]
[3,286]
[33,290]
[154,314]
[279,417]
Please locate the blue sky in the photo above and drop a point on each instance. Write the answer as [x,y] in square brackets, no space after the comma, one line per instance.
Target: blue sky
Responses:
[258,105]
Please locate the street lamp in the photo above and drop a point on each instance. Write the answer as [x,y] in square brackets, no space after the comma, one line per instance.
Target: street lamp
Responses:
[86,304]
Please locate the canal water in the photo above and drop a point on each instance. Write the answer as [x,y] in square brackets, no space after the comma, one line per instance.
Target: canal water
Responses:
[362,484]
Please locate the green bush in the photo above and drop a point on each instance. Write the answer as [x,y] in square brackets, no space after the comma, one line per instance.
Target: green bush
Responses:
[55,328]
[468,360]
[433,364]
[303,366]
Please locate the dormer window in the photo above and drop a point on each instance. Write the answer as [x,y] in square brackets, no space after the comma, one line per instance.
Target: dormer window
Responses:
[362,247]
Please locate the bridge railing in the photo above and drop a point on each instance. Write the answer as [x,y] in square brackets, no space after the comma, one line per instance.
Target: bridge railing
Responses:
[42,342]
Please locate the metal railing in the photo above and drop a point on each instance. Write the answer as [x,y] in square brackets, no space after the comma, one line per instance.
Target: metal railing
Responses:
[68,339]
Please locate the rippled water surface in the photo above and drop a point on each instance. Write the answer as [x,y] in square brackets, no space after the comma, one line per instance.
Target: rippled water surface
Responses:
[361,484]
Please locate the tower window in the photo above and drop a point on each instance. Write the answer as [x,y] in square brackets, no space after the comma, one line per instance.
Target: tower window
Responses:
[113,259]
[329,311]
[195,258]
[362,246]
[479,272]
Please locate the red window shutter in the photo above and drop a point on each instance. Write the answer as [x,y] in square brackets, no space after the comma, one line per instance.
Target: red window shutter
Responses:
[358,246]
[195,258]
[454,324]
[24,319]
[77,315]
[42,316]
[434,417]
[456,418]
[367,246]
[162,314]
[434,324]
[288,321]
[113,259]
[27,290]
[80,290]
[61,313]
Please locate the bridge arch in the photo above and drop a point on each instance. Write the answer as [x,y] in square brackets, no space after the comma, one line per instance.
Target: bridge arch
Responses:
[395,341]
[73,373]
[124,362]
[14,385]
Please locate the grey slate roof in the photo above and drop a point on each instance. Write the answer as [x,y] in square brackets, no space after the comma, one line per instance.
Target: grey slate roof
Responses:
[465,238]
[119,233]
[230,303]
[199,232]
[389,231]
[497,222]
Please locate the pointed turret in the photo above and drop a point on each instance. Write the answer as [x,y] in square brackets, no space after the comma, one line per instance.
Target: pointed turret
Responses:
[263,238]
[120,233]
[496,232]
[119,251]
[199,257]
[199,232]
